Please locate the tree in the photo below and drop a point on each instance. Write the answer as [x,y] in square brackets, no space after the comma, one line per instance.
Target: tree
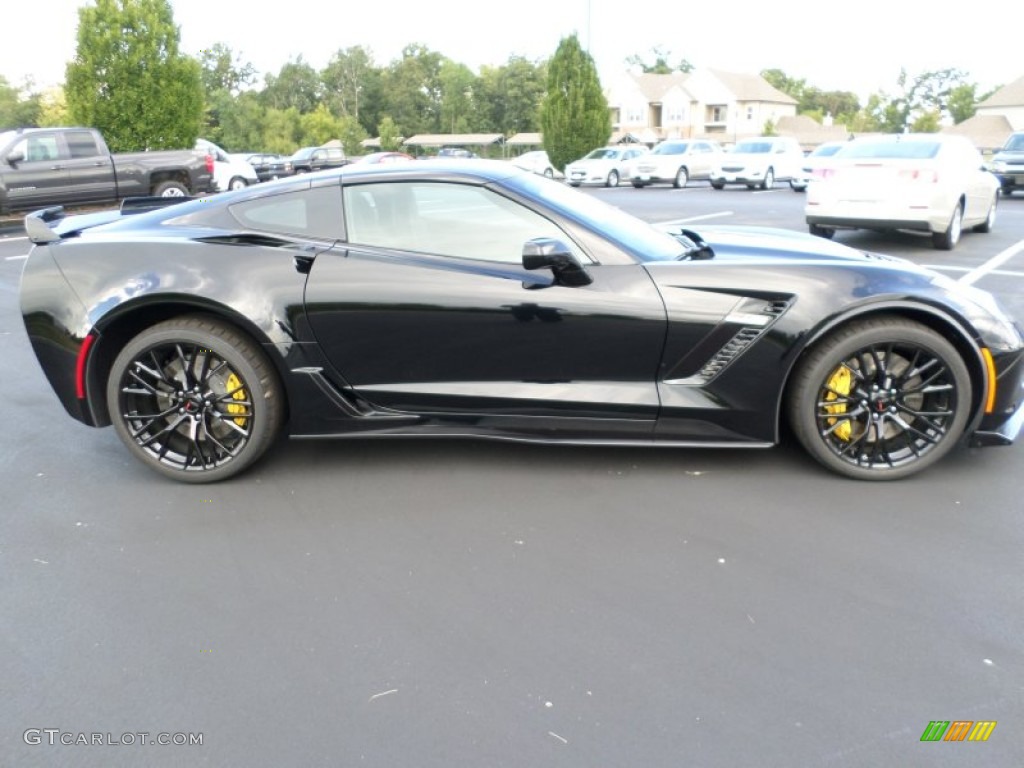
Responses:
[19,108]
[319,126]
[223,70]
[457,82]
[783,82]
[129,80]
[507,99]
[389,137]
[349,74]
[412,90]
[352,135]
[296,85]
[574,115]
[53,107]
[660,65]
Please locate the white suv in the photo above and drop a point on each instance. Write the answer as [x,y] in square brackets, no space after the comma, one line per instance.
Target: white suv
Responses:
[676,161]
[759,163]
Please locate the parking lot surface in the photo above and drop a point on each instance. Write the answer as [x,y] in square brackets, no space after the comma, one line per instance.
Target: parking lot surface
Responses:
[439,603]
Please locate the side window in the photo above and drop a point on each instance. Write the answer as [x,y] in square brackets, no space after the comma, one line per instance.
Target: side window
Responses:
[81,144]
[446,219]
[306,213]
[39,147]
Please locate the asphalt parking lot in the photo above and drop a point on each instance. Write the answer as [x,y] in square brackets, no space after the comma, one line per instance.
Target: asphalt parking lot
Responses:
[429,603]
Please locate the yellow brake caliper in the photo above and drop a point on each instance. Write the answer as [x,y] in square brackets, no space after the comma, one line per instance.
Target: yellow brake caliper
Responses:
[839,384]
[234,385]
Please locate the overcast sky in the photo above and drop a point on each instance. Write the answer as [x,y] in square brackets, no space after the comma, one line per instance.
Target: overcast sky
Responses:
[856,46]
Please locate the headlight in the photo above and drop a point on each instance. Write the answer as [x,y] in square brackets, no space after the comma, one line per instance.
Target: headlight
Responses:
[999,166]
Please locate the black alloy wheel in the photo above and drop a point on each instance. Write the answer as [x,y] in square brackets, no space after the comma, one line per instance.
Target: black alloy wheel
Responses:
[195,399]
[880,399]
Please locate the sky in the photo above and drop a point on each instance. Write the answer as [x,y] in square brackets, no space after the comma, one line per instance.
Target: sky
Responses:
[852,46]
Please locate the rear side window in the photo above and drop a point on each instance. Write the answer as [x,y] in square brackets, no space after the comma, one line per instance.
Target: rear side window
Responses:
[312,213]
[81,144]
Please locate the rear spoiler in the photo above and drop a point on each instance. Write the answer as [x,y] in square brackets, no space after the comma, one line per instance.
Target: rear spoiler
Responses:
[50,224]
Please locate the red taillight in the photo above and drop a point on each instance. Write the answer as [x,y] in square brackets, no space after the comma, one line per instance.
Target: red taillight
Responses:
[823,173]
[924,175]
[80,363]
[209,163]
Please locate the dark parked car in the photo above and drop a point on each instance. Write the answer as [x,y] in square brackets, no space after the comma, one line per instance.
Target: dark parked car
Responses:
[1008,164]
[310,159]
[269,167]
[480,300]
[72,166]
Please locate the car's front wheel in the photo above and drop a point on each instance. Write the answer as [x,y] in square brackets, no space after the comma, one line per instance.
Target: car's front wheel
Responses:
[880,399]
[195,399]
[827,232]
[768,182]
[613,179]
[682,178]
[718,185]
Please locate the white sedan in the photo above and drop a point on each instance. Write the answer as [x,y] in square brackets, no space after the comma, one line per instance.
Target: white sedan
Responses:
[931,183]
[606,165]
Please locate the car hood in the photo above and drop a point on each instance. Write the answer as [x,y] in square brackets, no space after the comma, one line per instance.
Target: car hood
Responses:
[592,163]
[782,245]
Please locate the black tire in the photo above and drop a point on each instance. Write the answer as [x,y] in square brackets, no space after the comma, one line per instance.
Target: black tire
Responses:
[718,185]
[880,399]
[797,186]
[638,185]
[170,189]
[237,182]
[768,182]
[613,179]
[549,173]
[825,232]
[682,178]
[574,183]
[946,241]
[990,219]
[173,397]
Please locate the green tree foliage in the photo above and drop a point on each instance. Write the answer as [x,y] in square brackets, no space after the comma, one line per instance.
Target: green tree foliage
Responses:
[319,126]
[507,98]
[297,85]
[53,108]
[19,107]
[129,80]
[843,106]
[783,82]
[660,65]
[352,82]
[241,123]
[352,135]
[389,135]
[224,70]
[574,114]
[412,90]
[281,130]
[457,82]
[927,122]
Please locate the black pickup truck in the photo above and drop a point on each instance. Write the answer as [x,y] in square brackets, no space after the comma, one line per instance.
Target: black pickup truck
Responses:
[40,167]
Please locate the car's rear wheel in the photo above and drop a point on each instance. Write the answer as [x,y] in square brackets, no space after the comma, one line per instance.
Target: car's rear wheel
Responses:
[769,179]
[170,189]
[827,232]
[195,399]
[639,185]
[880,399]
[990,219]
[613,179]
[237,182]
[946,241]
[682,178]
[718,185]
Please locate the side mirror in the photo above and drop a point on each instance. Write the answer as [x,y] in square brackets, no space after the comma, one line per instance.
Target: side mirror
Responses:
[14,158]
[548,253]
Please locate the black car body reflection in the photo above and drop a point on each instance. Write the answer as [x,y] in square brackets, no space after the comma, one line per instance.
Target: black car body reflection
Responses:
[475,299]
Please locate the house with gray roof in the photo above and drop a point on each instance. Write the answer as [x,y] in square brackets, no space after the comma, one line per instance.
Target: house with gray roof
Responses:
[1007,102]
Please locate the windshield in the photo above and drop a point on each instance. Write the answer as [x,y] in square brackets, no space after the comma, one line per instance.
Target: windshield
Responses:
[1015,144]
[671,148]
[890,150]
[602,154]
[633,235]
[754,147]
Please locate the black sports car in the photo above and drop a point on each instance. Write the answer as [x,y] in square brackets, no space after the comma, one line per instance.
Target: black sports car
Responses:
[476,299]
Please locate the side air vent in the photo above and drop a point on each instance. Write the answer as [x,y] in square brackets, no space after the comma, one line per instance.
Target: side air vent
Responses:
[754,317]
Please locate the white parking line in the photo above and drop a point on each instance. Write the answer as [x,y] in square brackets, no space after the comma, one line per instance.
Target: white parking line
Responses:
[992,264]
[947,268]
[12,239]
[693,218]
[16,258]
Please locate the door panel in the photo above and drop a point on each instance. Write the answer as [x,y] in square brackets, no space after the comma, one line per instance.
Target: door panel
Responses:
[434,334]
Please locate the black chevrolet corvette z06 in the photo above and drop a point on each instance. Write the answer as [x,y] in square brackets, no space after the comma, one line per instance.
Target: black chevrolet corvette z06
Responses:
[474,299]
